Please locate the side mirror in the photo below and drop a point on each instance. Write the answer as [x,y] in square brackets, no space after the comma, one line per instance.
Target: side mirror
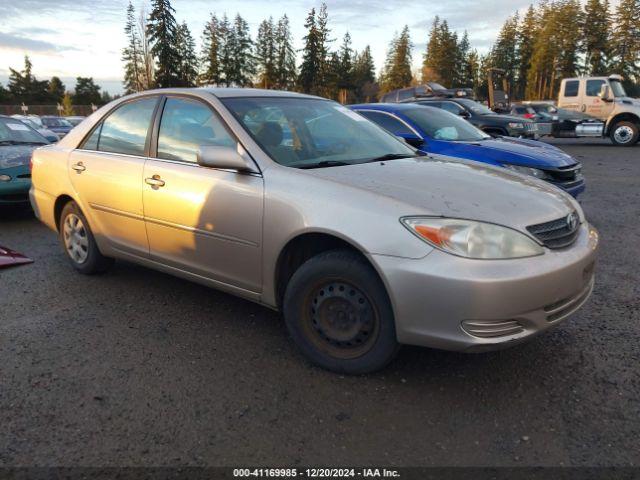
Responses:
[227,158]
[605,93]
[411,139]
[464,114]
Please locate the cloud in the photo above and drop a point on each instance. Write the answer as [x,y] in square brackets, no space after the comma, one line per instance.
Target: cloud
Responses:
[11,41]
[39,7]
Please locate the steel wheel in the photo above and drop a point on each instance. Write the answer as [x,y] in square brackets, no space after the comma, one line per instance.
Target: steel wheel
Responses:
[76,241]
[340,319]
[623,134]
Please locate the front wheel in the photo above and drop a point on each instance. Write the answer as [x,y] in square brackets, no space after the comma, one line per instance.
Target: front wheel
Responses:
[625,133]
[78,242]
[338,313]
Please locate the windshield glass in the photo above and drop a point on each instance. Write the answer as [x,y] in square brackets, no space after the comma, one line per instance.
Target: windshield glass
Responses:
[441,125]
[55,122]
[476,107]
[304,132]
[14,131]
[617,88]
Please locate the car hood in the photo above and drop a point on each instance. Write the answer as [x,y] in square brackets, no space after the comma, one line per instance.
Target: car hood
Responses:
[441,186]
[15,155]
[529,153]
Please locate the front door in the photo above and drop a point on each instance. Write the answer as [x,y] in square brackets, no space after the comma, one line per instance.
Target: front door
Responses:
[594,105]
[106,172]
[202,220]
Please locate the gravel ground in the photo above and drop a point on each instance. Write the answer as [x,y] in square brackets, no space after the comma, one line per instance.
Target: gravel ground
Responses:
[139,368]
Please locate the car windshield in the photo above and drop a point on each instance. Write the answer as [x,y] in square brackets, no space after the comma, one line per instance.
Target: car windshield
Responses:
[306,133]
[476,107]
[617,88]
[55,122]
[441,125]
[14,132]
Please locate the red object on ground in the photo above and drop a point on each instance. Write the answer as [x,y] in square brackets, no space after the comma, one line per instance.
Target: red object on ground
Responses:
[9,258]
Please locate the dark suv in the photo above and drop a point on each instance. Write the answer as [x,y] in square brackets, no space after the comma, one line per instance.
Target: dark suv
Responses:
[484,118]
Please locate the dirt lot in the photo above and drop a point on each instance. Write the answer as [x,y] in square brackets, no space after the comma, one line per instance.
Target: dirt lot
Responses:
[139,368]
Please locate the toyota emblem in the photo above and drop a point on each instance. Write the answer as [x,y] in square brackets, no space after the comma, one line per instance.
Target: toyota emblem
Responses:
[572,221]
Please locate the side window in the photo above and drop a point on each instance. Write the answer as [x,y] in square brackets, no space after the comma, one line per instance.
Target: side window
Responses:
[571,88]
[387,122]
[125,130]
[452,107]
[405,94]
[91,143]
[185,126]
[593,87]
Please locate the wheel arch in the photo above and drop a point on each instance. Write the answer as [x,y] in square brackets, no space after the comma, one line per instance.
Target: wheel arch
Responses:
[58,206]
[621,117]
[306,245]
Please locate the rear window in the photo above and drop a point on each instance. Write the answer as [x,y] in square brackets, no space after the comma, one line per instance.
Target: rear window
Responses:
[571,88]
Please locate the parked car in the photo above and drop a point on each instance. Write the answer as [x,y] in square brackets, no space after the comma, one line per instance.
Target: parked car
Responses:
[57,124]
[17,142]
[363,242]
[33,123]
[429,89]
[485,119]
[544,121]
[563,121]
[74,120]
[434,130]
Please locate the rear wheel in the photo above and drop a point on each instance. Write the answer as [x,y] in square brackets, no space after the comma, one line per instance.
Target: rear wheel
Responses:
[78,242]
[624,133]
[339,314]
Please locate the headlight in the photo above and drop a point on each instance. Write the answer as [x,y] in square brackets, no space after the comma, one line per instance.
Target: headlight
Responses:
[534,172]
[471,239]
[5,178]
[516,125]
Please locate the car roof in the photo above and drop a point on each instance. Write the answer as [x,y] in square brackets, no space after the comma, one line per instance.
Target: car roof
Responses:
[232,92]
[388,107]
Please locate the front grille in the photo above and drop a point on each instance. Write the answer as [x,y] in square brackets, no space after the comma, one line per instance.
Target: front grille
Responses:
[530,127]
[558,233]
[25,175]
[492,328]
[566,175]
[566,306]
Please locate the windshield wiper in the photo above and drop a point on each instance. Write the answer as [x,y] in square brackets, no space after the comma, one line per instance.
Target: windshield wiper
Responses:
[392,156]
[322,164]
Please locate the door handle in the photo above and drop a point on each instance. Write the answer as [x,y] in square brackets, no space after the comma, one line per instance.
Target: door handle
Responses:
[79,167]
[155,181]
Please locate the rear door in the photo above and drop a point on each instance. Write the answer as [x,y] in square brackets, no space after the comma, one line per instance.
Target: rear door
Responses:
[106,172]
[570,96]
[201,220]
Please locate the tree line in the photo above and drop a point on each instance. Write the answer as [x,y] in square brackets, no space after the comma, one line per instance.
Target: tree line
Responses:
[24,87]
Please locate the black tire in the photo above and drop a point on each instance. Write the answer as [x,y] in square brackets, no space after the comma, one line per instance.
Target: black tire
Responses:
[85,258]
[339,315]
[624,133]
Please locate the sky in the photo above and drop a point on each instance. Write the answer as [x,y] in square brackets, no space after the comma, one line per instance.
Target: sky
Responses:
[71,38]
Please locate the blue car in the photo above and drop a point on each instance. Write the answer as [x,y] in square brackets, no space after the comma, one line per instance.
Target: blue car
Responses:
[57,124]
[433,130]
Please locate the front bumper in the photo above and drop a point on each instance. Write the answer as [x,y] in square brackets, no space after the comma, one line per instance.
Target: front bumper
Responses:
[440,298]
[16,190]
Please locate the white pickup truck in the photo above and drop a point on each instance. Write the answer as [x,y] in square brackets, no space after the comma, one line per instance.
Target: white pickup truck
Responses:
[602,98]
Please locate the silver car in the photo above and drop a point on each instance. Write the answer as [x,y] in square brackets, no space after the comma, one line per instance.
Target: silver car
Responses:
[304,206]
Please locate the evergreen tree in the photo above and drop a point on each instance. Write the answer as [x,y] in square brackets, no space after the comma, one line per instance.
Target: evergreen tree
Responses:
[132,54]
[56,89]
[266,54]
[626,43]
[24,87]
[441,61]
[596,33]
[285,56]
[527,33]
[364,75]
[324,56]
[210,58]
[186,49]
[227,47]
[310,76]
[4,94]
[344,70]
[162,29]
[242,64]
[504,54]
[397,70]
[463,76]
[86,92]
